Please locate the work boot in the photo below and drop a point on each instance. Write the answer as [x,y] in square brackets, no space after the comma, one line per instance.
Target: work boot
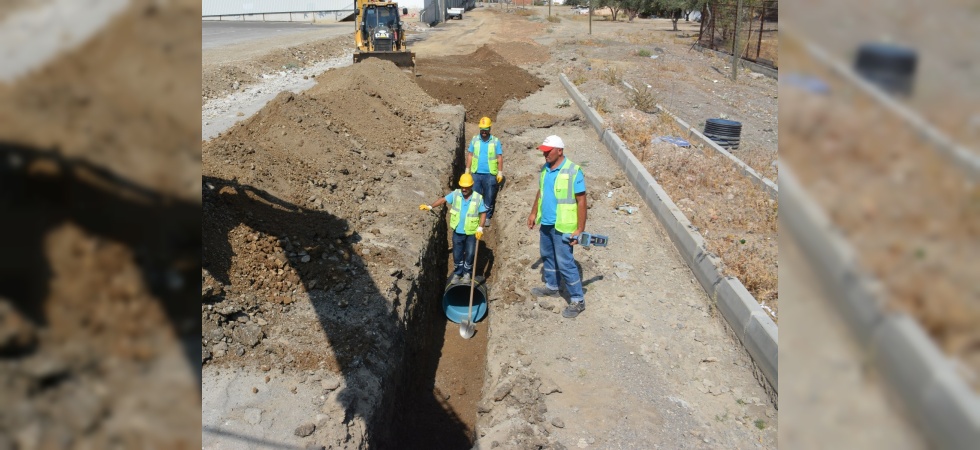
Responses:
[465,279]
[486,224]
[544,292]
[456,279]
[573,309]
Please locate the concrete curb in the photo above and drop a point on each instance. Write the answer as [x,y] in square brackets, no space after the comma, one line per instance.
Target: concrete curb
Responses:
[926,381]
[755,67]
[761,181]
[756,330]
[590,115]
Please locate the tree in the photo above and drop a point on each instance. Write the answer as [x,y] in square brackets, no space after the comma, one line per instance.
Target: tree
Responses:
[633,8]
[676,8]
[614,5]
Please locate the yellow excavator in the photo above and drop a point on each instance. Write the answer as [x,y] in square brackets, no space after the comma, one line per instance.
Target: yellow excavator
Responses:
[378,33]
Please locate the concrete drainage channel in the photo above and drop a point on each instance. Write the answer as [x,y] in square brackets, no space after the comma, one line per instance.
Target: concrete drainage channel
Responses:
[436,388]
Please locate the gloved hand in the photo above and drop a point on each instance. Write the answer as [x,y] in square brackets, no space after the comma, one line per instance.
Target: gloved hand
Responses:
[500,176]
[479,233]
[425,208]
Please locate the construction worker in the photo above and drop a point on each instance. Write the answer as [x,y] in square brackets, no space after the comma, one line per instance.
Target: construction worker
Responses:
[560,208]
[465,216]
[485,160]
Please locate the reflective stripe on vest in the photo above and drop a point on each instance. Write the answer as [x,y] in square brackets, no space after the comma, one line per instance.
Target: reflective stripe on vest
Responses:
[472,220]
[566,220]
[491,154]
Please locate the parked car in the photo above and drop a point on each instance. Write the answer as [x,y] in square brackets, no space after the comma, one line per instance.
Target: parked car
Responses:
[454,13]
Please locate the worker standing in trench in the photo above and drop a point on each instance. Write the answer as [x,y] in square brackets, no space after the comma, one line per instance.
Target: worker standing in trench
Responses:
[468,211]
[560,208]
[485,161]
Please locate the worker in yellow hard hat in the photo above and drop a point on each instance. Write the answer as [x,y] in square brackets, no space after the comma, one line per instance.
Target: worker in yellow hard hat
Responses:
[485,160]
[465,218]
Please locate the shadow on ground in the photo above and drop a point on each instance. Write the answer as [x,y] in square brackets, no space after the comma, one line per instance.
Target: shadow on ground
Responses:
[395,333]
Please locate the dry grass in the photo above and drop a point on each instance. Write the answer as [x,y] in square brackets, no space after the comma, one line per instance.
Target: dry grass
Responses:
[553,19]
[600,104]
[735,217]
[642,38]
[577,76]
[770,50]
[612,75]
[642,98]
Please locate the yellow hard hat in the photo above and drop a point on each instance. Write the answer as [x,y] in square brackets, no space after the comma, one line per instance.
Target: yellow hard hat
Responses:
[485,123]
[466,180]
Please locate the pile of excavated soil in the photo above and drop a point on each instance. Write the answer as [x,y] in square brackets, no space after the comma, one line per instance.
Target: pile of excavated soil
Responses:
[99,179]
[312,255]
[478,81]
[313,184]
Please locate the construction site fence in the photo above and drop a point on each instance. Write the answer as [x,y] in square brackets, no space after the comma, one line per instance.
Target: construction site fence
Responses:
[757,37]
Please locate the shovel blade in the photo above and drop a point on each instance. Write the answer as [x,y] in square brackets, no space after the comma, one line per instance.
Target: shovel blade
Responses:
[466,329]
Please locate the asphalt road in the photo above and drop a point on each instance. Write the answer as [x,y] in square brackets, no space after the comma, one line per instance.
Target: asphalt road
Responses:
[216,34]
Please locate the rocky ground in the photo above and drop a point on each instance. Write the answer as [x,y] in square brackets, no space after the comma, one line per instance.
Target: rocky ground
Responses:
[317,257]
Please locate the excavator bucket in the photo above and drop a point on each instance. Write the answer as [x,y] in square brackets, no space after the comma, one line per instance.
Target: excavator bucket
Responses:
[405,60]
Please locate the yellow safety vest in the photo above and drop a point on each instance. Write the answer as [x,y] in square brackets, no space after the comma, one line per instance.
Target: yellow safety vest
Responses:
[491,153]
[567,217]
[472,215]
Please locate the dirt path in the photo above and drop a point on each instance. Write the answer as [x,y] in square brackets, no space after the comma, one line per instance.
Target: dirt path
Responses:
[649,363]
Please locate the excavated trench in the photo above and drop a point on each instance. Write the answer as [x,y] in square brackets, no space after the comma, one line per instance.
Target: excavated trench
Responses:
[313,233]
[442,376]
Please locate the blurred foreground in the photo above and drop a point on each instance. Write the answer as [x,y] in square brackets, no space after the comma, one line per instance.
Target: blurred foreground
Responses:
[99,192]
[909,214]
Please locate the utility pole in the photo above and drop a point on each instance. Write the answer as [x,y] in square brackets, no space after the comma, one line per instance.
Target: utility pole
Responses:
[736,47]
[590,17]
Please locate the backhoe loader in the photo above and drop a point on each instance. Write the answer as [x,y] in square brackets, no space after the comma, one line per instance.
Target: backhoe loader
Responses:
[378,33]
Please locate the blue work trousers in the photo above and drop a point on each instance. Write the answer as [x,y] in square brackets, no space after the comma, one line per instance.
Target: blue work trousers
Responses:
[464,247]
[485,184]
[559,264]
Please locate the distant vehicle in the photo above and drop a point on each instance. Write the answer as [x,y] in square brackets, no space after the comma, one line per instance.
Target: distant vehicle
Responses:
[378,33]
[584,10]
[454,13]
[695,16]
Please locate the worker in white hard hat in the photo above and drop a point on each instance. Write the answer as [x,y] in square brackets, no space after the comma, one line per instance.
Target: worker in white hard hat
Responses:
[485,161]
[465,218]
[560,207]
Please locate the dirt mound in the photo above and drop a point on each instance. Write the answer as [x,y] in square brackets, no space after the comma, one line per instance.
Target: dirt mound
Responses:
[299,198]
[481,81]
[521,53]
[314,230]
[354,120]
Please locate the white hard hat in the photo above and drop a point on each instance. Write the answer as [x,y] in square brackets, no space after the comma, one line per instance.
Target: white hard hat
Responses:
[551,142]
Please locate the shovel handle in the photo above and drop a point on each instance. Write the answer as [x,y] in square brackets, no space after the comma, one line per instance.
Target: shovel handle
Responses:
[469,312]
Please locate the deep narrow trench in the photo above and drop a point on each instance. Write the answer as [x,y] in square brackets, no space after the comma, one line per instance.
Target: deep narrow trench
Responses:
[433,398]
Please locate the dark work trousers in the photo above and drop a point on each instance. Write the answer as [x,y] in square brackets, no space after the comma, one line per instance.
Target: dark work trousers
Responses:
[485,184]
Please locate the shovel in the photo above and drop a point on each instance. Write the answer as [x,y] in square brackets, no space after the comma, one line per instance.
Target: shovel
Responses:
[466,327]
